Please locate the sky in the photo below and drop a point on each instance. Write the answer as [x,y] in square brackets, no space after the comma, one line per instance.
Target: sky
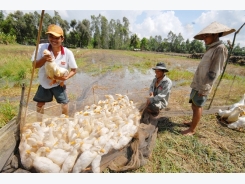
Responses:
[151,17]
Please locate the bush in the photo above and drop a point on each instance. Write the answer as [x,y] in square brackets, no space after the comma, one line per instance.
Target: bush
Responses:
[7,38]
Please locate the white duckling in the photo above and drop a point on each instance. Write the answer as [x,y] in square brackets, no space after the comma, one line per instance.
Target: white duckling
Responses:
[50,140]
[86,125]
[82,133]
[52,69]
[240,123]
[39,128]
[70,160]
[44,164]
[96,164]
[119,141]
[71,133]
[110,98]
[224,113]
[85,160]
[102,150]
[34,142]
[42,151]
[236,112]
[38,131]
[240,103]
[24,148]
[87,143]
[58,155]
[62,144]
[103,131]
[26,133]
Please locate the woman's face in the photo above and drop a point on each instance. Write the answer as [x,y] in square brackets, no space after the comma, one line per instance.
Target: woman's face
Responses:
[210,38]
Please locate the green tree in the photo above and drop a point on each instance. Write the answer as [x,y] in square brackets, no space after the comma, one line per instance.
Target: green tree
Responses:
[73,37]
[196,46]
[239,51]
[153,45]
[144,44]
[134,41]
[177,43]
[31,30]
[118,35]
[111,31]
[17,25]
[1,20]
[104,33]
[125,32]
[47,20]
[171,38]
[187,45]
[84,33]
[95,29]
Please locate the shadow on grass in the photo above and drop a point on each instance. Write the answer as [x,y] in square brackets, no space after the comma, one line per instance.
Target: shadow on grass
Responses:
[165,124]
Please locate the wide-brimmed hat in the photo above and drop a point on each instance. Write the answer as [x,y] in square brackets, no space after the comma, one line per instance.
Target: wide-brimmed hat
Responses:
[215,28]
[160,66]
[55,30]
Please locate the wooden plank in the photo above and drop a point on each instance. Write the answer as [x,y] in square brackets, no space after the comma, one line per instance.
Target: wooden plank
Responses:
[9,136]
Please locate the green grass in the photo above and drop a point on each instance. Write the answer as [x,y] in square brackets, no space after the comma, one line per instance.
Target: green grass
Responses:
[180,74]
[7,112]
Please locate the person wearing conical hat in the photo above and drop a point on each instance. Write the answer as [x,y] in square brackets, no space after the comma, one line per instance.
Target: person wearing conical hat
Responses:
[208,70]
[159,91]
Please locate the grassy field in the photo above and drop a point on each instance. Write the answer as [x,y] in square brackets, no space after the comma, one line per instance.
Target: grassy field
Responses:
[213,149]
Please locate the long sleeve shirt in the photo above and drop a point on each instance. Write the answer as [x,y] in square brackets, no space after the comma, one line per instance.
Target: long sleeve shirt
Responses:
[161,92]
[210,67]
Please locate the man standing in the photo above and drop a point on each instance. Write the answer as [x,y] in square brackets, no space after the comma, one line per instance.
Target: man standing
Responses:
[63,58]
[208,70]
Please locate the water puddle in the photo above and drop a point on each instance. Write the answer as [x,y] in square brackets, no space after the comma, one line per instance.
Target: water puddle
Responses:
[133,84]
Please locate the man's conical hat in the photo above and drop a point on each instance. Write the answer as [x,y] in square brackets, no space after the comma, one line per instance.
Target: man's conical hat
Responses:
[214,28]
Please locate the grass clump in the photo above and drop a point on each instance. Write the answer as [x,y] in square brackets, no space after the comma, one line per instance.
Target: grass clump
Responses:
[7,112]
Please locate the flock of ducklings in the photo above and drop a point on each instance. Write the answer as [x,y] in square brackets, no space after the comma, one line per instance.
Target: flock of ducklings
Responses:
[235,115]
[63,144]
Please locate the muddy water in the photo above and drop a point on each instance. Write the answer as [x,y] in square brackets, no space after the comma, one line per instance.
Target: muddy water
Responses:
[133,84]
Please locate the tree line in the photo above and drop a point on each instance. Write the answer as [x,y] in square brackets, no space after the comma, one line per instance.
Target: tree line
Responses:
[97,33]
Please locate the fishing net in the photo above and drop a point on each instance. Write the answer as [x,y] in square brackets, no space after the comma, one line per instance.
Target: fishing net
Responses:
[96,119]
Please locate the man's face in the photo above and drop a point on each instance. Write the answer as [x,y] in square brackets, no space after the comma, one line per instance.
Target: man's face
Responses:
[55,41]
[159,73]
[209,38]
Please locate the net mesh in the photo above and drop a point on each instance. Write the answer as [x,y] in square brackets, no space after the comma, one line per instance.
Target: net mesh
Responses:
[132,152]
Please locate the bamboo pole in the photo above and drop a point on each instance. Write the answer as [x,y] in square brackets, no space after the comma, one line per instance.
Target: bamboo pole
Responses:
[33,67]
[230,89]
[229,54]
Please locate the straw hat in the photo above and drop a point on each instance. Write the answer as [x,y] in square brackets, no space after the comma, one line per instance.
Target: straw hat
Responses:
[215,28]
[55,30]
[160,66]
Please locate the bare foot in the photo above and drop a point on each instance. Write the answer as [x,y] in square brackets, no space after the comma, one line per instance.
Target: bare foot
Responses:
[188,132]
[187,124]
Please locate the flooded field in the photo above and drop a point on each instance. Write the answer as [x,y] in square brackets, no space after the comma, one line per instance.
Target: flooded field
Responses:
[118,72]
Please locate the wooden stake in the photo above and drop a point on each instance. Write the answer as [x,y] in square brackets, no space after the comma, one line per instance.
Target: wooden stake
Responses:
[229,54]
